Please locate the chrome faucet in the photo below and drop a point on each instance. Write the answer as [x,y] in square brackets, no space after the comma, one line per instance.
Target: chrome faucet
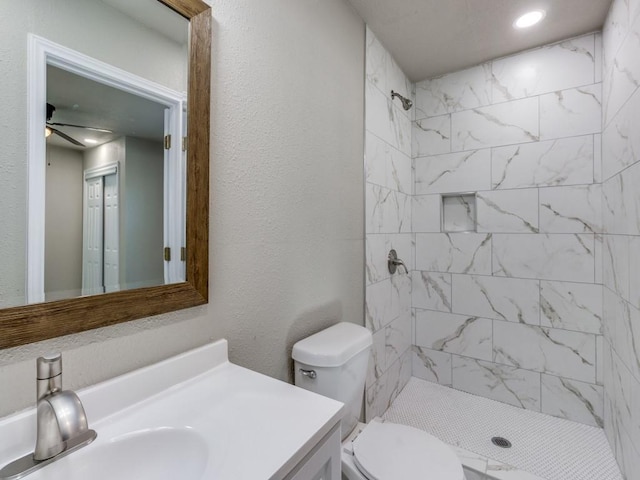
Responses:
[61,417]
[62,425]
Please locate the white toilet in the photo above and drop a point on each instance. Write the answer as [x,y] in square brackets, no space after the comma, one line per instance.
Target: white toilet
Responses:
[333,363]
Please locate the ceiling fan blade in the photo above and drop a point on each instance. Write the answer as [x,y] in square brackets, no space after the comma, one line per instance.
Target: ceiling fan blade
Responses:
[103,130]
[66,137]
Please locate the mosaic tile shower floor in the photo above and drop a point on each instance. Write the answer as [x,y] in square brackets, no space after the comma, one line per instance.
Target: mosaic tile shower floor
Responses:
[547,447]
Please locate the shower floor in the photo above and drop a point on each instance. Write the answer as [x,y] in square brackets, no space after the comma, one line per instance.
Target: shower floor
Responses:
[544,447]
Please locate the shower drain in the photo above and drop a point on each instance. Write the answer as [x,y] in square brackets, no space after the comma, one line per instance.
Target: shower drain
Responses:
[501,442]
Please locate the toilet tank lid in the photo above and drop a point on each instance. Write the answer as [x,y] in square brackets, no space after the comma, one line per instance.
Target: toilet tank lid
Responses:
[333,346]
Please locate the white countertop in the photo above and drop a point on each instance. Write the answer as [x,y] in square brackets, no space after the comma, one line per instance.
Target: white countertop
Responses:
[247,425]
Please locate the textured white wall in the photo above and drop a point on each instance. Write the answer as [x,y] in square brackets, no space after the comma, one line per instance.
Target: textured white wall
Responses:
[287,191]
[287,241]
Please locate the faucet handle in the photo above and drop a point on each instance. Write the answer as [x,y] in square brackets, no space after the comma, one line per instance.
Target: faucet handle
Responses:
[48,366]
[48,375]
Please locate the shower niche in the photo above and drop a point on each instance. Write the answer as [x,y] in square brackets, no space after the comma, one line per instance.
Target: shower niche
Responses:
[459,212]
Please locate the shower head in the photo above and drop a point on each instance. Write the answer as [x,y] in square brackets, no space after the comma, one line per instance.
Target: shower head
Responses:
[406,103]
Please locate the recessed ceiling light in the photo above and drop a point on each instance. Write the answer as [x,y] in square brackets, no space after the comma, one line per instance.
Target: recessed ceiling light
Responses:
[529,19]
[90,140]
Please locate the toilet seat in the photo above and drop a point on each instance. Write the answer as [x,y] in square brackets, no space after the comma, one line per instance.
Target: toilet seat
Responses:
[388,451]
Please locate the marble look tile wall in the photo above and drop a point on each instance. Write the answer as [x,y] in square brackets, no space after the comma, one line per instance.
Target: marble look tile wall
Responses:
[621,240]
[388,205]
[514,311]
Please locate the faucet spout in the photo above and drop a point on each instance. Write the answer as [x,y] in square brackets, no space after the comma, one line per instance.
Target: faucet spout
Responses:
[61,418]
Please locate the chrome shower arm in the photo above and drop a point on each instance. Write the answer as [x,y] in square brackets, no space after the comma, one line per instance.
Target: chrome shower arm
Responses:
[406,103]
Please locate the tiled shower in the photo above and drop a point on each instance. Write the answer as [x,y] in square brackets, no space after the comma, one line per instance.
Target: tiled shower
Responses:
[511,308]
[510,189]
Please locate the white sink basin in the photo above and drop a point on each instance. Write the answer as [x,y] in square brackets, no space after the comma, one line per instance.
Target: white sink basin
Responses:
[160,454]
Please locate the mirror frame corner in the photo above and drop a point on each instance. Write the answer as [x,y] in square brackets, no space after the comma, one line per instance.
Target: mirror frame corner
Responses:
[33,323]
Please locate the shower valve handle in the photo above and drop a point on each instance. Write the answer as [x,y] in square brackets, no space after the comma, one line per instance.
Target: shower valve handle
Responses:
[394,262]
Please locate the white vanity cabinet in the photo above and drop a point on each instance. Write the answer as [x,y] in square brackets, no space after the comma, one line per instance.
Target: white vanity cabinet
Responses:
[323,462]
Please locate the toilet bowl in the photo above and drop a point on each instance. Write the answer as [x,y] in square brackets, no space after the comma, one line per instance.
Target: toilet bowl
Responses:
[334,363]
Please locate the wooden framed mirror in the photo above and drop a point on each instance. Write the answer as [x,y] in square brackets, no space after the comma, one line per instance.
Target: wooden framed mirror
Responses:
[36,322]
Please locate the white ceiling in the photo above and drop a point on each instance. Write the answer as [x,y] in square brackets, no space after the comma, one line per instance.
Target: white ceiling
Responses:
[432,37]
[81,101]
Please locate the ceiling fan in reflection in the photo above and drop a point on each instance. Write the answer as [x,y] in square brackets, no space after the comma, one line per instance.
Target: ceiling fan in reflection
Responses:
[51,130]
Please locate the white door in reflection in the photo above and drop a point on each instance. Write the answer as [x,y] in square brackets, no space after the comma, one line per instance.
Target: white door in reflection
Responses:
[100,252]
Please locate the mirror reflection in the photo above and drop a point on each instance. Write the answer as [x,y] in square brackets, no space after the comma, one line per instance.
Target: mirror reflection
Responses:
[112,197]
[104,188]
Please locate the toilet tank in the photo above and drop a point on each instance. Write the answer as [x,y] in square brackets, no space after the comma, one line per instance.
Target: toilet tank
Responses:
[339,357]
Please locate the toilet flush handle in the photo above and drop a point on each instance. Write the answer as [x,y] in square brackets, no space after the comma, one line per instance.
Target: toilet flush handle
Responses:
[309,373]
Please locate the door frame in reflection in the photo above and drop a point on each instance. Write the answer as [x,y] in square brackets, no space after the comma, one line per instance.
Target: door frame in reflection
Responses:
[43,52]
